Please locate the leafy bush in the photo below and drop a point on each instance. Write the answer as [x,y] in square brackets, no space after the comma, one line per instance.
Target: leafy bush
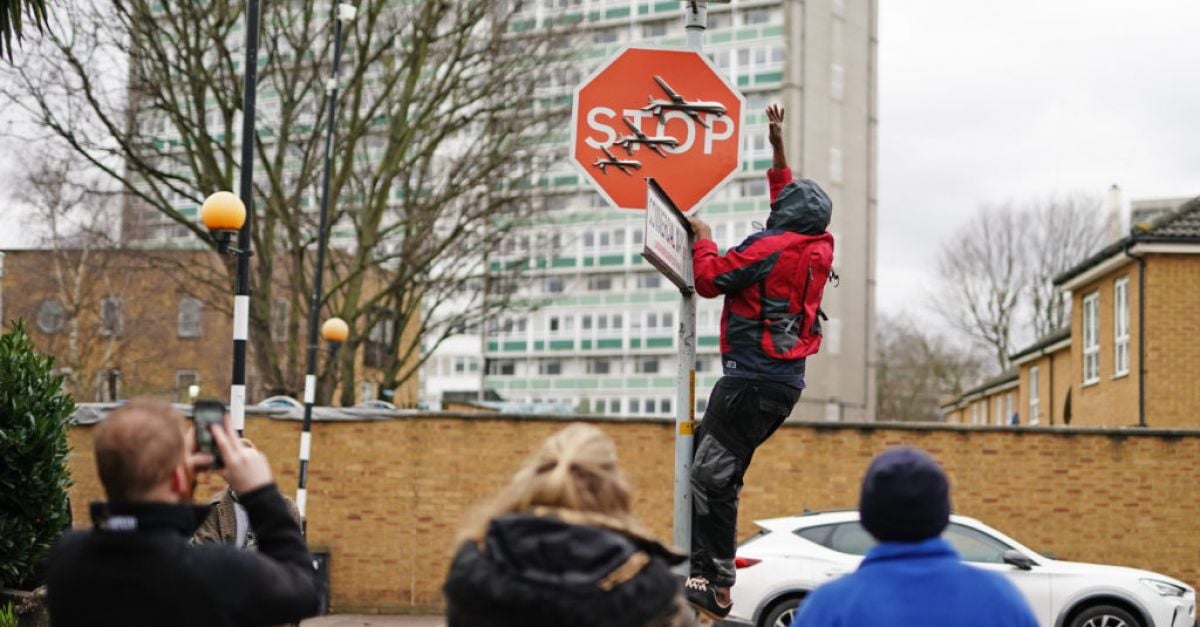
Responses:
[33,456]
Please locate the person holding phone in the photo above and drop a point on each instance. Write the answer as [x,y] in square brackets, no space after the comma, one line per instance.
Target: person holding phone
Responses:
[135,567]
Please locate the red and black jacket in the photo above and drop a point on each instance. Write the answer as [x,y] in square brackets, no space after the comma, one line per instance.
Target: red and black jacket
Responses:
[773,283]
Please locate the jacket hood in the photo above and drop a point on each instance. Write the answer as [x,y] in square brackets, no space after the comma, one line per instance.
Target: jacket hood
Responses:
[802,207]
[535,570]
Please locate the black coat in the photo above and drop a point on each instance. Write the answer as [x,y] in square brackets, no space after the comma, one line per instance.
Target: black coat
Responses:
[136,568]
[540,571]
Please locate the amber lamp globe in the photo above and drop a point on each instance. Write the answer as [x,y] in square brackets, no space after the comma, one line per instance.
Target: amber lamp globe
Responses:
[335,330]
[223,211]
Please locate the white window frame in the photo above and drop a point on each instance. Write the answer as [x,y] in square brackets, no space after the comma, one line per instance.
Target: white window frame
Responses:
[1091,338]
[998,410]
[1008,408]
[1035,402]
[1121,327]
[974,413]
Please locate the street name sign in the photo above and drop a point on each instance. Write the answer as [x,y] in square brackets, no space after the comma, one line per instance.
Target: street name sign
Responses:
[667,243]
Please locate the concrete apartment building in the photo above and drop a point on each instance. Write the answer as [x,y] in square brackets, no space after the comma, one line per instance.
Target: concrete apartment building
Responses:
[599,332]
[1127,357]
[602,338]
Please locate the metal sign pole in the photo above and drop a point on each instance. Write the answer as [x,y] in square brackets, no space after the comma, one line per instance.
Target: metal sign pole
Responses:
[695,21]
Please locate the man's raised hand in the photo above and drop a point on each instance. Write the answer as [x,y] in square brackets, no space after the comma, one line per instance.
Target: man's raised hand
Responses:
[775,124]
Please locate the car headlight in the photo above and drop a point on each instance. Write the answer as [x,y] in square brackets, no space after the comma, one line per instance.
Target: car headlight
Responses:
[1164,588]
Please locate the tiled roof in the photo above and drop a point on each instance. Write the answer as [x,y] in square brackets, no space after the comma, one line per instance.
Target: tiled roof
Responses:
[1182,226]
[1008,376]
[1044,341]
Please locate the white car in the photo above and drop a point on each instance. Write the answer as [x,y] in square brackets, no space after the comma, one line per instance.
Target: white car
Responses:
[790,556]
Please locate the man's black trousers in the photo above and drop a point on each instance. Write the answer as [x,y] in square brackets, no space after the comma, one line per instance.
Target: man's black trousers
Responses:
[741,415]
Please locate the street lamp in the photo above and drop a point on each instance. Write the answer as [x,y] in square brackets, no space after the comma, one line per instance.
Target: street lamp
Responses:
[334,332]
[224,214]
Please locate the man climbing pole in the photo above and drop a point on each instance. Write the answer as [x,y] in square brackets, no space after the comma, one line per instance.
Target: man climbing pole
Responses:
[772,283]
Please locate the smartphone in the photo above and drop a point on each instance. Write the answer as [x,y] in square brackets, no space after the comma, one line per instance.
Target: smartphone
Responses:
[206,413]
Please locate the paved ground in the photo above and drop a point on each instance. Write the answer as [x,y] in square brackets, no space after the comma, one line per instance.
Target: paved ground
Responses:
[366,620]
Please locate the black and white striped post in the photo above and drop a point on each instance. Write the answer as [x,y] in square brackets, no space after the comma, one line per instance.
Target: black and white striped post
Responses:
[334,330]
[241,298]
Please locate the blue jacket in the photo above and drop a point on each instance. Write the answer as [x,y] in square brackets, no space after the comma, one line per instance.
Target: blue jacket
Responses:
[916,584]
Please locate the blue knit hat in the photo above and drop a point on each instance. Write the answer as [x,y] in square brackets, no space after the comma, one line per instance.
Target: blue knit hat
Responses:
[905,497]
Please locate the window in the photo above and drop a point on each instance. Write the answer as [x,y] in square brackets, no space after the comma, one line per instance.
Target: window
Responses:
[184,380]
[1091,338]
[51,316]
[501,367]
[837,82]
[600,283]
[1121,327]
[649,405]
[108,385]
[550,367]
[616,321]
[649,281]
[1009,418]
[632,404]
[756,16]
[647,365]
[657,29]
[112,317]
[378,347]
[722,19]
[189,317]
[973,545]
[367,391]
[652,320]
[1035,415]
[614,405]
[974,413]
[554,285]
[998,410]
[835,165]
[664,406]
[279,319]
[599,366]
[667,320]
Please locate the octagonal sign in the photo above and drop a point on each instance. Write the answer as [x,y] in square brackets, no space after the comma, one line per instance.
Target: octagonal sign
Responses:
[663,114]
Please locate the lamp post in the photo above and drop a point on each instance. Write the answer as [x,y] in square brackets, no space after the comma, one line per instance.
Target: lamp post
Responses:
[334,332]
[224,214]
[241,298]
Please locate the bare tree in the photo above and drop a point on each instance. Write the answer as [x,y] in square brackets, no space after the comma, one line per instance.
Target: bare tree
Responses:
[74,220]
[996,272]
[440,132]
[982,269]
[1062,231]
[918,368]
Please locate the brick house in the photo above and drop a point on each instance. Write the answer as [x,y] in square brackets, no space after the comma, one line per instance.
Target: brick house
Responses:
[1128,356]
[125,323]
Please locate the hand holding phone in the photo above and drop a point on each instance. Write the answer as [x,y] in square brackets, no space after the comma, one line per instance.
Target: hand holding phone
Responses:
[206,413]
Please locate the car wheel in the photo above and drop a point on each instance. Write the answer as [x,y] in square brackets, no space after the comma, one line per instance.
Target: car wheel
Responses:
[1105,616]
[782,613]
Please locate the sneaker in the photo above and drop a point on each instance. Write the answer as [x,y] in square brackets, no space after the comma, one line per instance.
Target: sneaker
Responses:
[702,595]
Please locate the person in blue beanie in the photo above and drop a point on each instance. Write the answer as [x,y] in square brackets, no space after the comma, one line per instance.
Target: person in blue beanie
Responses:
[913,576]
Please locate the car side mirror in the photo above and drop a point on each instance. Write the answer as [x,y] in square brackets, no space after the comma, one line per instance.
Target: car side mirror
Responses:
[1018,559]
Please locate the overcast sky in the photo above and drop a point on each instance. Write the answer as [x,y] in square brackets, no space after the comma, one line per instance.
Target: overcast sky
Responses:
[983,101]
[987,101]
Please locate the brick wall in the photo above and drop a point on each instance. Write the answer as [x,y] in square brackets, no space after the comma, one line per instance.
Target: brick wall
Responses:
[1111,401]
[386,496]
[1172,329]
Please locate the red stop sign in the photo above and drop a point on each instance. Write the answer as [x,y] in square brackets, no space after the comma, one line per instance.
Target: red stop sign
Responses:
[665,114]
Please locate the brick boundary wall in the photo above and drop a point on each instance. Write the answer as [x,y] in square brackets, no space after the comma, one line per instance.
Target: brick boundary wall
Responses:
[386,496]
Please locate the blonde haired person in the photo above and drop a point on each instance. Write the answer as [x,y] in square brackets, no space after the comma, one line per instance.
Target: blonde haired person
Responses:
[559,546]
